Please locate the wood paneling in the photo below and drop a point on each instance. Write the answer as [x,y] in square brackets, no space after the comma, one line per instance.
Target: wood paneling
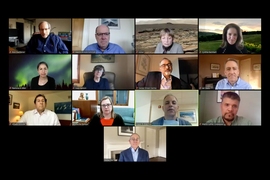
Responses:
[87,107]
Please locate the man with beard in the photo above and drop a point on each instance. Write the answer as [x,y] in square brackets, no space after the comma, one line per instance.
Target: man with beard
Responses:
[162,79]
[170,108]
[40,116]
[229,107]
[134,153]
[232,80]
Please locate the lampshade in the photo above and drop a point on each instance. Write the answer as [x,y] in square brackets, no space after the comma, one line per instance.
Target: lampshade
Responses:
[20,113]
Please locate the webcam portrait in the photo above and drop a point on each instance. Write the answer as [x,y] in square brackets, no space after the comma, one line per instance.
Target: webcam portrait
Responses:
[103,72]
[166,108]
[230,108]
[39,108]
[168,36]
[130,144]
[230,36]
[45,36]
[103,108]
[236,72]
[103,36]
[154,72]
[36,72]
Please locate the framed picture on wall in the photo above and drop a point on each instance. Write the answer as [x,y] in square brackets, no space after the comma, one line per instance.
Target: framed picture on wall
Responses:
[214,66]
[126,130]
[188,115]
[10,99]
[220,93]
[16,105]
[102,58]
[143,63]
[113,23]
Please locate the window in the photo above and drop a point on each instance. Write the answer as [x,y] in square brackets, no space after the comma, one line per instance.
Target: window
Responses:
[119,97]
[75,68]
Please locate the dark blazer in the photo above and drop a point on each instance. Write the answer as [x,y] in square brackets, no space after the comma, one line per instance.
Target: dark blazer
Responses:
[126,155]
[153,79]
[49,85]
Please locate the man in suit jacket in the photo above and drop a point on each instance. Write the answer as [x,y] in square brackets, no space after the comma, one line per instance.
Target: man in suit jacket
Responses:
[162,79]
[134,153]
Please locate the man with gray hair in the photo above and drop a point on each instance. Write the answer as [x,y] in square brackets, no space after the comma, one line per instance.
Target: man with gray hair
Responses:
[170,108]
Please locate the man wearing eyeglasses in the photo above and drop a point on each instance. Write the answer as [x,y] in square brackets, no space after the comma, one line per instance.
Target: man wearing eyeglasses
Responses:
[162,79]
[45,42]
[103,44]
[134,153]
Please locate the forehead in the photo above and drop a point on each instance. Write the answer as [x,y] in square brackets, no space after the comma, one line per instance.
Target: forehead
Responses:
[230,101]
[232,30]
[105,101]
[102,29]
[44,25]
[165,61]
[42,65]
[40,98]
[170,98]
[231,64]
[134,136]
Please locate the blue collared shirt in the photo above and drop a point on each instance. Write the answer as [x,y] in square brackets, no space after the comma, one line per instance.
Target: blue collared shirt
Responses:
[111,49]
[135,153]
[240,84]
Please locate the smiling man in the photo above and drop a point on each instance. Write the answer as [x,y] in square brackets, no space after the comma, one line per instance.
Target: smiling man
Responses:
[170,108]
[134,153]
[232,80]
[229,108]
[40,115]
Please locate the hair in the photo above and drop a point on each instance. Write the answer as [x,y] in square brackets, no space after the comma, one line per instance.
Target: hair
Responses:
[101,112]
[133,134]
[231,95]
[102,25]
[42,63]
[98,67]
[239,44]
[166,31]
[169,95]
[231,59]
[40,95]
[49,25]
[165,59]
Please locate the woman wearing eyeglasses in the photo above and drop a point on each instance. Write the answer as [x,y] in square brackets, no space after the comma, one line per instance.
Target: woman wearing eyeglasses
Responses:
[97,82]
[106,116]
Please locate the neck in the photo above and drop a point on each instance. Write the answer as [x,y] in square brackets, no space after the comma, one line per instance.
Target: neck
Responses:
[228,123]
[96,79]
[107,116]
[170,117]
[43,78]
[40,111]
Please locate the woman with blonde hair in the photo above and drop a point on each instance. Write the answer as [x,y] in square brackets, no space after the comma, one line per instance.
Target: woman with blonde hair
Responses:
[106,116]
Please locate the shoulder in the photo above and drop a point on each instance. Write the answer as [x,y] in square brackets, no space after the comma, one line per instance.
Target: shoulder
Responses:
[157,121]
[143,150]
[104,79]
[154,73]
[50,78]
[175,78]
[183,122]
[35,78]
[220,50]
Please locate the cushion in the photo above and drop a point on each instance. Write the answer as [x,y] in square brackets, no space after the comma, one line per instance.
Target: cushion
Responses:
[128,119]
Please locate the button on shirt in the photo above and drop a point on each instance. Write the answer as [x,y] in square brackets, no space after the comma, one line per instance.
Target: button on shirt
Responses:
[166,84]
[240,84]
[46,118]
[135,154]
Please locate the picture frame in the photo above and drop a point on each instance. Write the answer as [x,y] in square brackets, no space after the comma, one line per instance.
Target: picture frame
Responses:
[102,58]
[257,67]
[112,23]
[126,130]
[16,105]
[220,93]
[63,108]
[10,99]
[188,115]
[142,65]
[214,66]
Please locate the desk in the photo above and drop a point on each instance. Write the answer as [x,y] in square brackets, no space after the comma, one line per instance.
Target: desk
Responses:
[11,49]
[79,123]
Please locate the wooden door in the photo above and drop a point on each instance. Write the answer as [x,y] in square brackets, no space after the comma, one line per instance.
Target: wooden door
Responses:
[77,34]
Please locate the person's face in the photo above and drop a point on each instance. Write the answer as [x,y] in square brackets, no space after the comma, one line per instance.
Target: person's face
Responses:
[40,103]
[98,73]
[44,30]
[42,70]
[231,36]
[165,67]
[166,40]
[106,106]
[134,141]
[229,108]
[103,36]
[231,71]
[170,106]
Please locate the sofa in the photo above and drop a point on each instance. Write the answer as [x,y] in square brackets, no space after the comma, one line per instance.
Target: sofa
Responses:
[127,114]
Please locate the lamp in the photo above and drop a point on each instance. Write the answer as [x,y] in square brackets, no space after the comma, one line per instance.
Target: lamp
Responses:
[20,113]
